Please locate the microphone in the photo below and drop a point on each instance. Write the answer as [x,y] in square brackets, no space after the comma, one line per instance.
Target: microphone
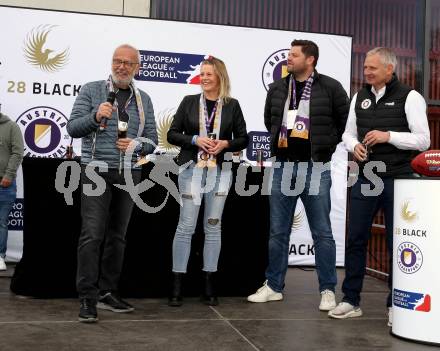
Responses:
[111,99]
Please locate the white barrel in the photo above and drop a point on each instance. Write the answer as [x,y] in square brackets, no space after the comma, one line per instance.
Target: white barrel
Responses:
[416,259]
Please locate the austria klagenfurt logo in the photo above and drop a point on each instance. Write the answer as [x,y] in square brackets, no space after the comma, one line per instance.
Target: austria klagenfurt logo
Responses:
[409,257]
[275,67]
[44,132]
[44,49]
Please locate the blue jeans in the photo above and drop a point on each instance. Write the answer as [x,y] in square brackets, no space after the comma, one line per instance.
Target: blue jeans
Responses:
[303,182]
[195,184]
[7,198]
[362,211]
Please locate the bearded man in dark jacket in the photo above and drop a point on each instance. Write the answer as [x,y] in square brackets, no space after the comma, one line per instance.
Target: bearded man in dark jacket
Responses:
[305,113]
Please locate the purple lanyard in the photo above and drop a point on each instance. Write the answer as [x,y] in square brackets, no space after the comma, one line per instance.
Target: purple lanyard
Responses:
[209,119]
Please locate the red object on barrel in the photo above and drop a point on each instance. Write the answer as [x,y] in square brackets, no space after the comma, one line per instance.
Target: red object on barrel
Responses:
[427,163]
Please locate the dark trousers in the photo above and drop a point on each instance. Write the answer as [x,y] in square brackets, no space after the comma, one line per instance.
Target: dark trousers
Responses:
[101,244]
[362,211]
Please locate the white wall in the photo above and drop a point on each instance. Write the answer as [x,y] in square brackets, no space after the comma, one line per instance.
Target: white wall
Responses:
[138,8]
[165,83]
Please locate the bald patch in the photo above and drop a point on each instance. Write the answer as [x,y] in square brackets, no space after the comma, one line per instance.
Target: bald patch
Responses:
[128,47]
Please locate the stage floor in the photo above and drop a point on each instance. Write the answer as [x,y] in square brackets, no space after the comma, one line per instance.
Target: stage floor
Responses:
[292,324]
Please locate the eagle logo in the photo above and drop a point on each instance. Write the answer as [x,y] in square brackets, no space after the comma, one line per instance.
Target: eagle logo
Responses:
[163,126]
[297,220]
[38,55]
[406,214]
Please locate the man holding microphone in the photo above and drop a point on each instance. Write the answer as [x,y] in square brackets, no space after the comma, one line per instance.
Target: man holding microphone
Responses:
[100,108]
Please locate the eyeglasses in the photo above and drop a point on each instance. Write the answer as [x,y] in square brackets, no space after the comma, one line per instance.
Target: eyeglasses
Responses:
[124,63]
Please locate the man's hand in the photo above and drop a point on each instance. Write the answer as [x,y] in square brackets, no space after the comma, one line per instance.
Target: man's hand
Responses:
[104,110]
[124,143]
[374,137]
[5,182]
[360,152]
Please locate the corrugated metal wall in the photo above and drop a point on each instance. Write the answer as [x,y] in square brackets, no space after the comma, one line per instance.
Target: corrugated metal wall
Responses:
[434,79]
[282,14]
[434,52]
[391,23]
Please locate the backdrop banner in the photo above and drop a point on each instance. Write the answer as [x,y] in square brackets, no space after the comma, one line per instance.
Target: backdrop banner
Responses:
[47,56]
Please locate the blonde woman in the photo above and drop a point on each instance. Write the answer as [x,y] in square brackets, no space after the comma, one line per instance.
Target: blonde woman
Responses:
[205,126]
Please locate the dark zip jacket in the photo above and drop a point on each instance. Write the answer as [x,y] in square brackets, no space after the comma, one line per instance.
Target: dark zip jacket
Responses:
[329,106]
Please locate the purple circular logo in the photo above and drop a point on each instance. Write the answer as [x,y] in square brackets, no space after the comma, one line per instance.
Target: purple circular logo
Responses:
[44,131]
[275,67]
[409,257]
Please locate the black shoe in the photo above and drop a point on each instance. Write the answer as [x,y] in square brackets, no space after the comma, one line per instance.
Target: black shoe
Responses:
[112,302]
[87,311]
[209,296]
[175,300]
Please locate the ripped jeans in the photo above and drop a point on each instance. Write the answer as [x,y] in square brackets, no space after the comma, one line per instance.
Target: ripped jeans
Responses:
[213,185]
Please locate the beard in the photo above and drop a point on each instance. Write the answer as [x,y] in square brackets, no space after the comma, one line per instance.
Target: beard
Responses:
[126,81]
[296,70]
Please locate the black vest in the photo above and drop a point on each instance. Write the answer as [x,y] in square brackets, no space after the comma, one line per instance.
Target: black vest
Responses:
[387,115]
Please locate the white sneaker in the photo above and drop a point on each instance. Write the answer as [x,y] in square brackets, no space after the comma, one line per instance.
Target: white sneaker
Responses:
[2,264]
[390,316]
[265,294]
[345,310]
[328,301]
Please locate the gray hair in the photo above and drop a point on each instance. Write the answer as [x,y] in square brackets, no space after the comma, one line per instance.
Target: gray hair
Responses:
[387,56]
[128,46]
